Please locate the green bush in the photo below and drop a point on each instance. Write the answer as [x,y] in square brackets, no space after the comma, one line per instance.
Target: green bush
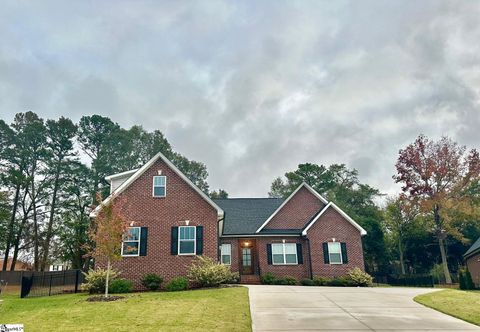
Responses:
[152,281]
[465,279]
[356,277]
[268,279]
[321,281]
[339,282]
[177,284]
[307,282]
[287,280]
[120,286]
[95,280]
[234,278]
[205,272]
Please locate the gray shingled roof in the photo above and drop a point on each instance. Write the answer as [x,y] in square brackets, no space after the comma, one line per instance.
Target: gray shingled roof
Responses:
[246,215]
[475,247]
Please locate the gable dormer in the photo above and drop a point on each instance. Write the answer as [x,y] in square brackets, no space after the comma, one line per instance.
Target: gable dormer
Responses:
[297,210]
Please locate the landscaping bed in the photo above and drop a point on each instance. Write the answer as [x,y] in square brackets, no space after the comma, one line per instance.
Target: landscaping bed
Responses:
[461,304]
[219,309]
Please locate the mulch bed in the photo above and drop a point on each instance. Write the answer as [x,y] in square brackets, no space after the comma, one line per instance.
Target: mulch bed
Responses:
[104,299]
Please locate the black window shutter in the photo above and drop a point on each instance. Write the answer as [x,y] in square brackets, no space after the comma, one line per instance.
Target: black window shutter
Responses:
[326,258]
[143,241]
[174,241]
[269,254]
[344,253]
[199,238]
[299,253]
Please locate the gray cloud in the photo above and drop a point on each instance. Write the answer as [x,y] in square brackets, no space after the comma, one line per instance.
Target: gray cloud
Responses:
[253,88]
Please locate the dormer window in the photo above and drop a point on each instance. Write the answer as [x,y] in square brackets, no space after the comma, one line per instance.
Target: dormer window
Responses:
[159,186]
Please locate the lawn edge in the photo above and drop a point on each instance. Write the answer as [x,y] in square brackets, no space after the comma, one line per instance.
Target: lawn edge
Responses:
[439,310]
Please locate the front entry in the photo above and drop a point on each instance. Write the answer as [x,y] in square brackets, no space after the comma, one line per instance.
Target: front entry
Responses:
[247,256]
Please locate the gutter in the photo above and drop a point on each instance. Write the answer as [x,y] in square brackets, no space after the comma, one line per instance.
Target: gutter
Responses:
[309,258]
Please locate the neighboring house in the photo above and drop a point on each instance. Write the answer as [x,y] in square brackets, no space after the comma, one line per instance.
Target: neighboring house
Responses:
[172,220]
[19,265]
[472,258]
[58,266]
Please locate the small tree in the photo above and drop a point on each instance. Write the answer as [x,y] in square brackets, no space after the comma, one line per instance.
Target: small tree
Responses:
[107,232]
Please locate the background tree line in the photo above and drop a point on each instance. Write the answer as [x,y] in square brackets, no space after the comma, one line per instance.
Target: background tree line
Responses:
[427,227]
[51,171]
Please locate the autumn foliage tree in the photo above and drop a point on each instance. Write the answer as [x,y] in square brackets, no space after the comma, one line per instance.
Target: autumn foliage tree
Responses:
[437,176]
[107,232]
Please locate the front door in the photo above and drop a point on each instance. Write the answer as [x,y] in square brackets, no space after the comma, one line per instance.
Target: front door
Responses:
[246,257]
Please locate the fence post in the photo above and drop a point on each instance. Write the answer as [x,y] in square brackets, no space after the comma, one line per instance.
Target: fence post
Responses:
[77,272]
[50,286]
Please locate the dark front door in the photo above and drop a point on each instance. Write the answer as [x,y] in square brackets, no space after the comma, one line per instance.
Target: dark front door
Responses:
[246,257]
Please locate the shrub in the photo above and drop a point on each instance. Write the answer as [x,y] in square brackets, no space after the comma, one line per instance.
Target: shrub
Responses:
[356,277]
[321,281]
[307,282]
[152,281]
[95,280]
[120,286]
[287,280]
[205,272]
[268,279]
[339,282]
[465,279]
[177,284]
[234,278]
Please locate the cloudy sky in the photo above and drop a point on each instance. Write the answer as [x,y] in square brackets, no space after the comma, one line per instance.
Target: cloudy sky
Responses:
[253,89]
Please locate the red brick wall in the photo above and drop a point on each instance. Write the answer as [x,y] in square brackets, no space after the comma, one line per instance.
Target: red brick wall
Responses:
[473,264]
[332,225]
[159,214]
[234,266]
[297,212]
[299,271]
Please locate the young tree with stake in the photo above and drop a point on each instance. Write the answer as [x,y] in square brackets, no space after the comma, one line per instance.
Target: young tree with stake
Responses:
[107,233]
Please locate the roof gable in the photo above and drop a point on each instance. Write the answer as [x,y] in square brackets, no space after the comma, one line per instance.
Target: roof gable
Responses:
[142,170]
[303,185]
[473,249]
[341,212]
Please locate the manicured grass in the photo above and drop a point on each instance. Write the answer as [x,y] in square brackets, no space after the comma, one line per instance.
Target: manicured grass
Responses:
[461,304]
[224,309]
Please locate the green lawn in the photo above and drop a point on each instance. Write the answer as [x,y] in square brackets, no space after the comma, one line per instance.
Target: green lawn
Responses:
[461,304]
[224,309]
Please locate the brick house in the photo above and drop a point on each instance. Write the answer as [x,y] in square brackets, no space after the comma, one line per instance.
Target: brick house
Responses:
[472,259]
[172,220]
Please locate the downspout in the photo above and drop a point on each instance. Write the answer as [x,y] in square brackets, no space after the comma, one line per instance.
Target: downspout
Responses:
[309,257]
[218,237]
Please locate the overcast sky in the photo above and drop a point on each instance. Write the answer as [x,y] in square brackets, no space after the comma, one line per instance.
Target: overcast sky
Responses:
[253,89]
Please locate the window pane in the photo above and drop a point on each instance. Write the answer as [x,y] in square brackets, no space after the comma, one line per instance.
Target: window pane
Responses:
[159,191]
[226,249]
[277,248]
[130,248]
[278,259]
[226,259]
[334,247]
[291,259]
[335,258]
[159,181]
[291,248]
[133,234]
[187,247]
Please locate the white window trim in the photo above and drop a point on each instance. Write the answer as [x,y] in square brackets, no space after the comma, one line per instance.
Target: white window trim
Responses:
[139,240]
[229,253]
[285,255]
[329,253]
[194,242]
[153,186]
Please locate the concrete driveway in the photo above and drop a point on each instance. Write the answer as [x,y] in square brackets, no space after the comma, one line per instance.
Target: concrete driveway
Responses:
[295,308]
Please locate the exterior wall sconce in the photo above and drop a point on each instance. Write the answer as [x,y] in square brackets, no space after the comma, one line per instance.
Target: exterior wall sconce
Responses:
[246,243]
[187,222]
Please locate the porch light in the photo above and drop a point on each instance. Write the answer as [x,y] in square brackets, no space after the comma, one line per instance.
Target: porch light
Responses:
[187,222]
[246,243]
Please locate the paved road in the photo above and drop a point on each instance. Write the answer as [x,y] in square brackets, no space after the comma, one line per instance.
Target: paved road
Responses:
[294,308]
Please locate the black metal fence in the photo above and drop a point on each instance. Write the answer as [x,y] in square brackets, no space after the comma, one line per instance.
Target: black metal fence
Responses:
[414,280]
[35,284]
